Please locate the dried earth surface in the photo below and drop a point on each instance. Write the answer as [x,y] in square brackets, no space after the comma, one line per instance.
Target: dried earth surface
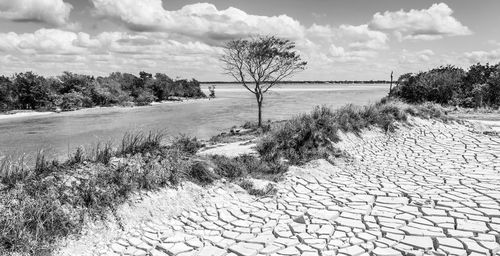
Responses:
[427,189]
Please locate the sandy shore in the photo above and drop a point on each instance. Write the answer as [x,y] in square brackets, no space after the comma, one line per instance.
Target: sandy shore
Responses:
[25,114]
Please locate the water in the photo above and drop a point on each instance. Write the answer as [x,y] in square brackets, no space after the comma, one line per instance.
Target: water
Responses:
[61,133]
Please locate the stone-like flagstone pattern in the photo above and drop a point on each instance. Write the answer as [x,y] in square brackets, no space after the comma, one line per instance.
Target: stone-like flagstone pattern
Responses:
[426,190]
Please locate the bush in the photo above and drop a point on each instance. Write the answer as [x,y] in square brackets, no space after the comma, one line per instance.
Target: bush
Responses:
[41,204]
[245,165]
[478,87]
[187,144]
[71,91]
[302,138]
[144,98]
[249,186]
[201,172]
[74,101]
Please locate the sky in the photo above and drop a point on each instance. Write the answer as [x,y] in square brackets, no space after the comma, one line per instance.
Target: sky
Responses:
[340,40]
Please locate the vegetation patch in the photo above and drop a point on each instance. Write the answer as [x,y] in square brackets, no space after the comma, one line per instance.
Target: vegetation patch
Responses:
[41,204]
[477,87]
[313,136]
[249,186]
[70,91]
[187,144]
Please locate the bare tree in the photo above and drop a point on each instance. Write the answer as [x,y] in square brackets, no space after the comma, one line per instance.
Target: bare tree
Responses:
[260,63]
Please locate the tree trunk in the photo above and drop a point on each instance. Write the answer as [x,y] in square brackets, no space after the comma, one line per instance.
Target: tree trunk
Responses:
[260,98]
[390,88]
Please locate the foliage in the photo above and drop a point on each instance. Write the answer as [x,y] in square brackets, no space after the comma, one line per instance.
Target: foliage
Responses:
[187,144]
[478,87]
[242,166]
[260,63]
[249,186]
[140,143]
[71,91]
[50,200]
[31,91]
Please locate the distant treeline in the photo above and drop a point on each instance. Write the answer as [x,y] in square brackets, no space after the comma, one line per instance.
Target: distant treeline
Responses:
[450,85]
[71,91]
[312,82]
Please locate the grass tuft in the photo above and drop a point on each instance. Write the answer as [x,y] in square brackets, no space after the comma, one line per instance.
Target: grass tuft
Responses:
[140,143]
[249,186]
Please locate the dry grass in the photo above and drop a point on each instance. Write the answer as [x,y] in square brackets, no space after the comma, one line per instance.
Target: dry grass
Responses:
[313,136]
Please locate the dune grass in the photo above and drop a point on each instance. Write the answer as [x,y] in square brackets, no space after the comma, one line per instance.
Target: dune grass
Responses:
[313,135]
[49,200]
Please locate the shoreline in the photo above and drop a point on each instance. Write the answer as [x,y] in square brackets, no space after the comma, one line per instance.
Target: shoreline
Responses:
[35,113]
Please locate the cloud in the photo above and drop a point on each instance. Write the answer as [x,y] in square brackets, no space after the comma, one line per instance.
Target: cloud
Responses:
[52,12]
[339,54]
[201,20]
[364,38]
[419,57]
[50,51]
[492,56]
[426,24]
[43,41]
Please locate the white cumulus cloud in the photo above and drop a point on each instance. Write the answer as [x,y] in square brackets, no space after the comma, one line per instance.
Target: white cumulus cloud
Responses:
[42,41]
[427,24]
[492,56]
[202,20]
[52,12]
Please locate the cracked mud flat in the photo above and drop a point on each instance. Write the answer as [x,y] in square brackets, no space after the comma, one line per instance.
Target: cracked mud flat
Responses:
[429,189]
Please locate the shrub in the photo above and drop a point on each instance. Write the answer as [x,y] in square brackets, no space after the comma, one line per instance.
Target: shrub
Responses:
[144,98]
[74,101]
[201,172]
[478,87]
[245,165]
[41,204]
[269,190]
[31,221]
[301,138]
[187,144]
[103,154]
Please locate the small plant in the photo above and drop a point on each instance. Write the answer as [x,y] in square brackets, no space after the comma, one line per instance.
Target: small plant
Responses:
[13,171]
[187,144]
[201,172]
[249,186]
[104,154]
[79,156]
[140,143]
[245,165]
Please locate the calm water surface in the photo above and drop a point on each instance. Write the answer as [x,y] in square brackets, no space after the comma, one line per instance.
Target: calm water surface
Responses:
[59,134]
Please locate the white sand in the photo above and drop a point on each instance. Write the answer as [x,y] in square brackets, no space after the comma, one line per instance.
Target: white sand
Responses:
[35,113]
[23,114]
[230,149]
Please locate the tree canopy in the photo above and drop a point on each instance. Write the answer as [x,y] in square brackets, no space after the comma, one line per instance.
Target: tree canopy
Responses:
[261,62]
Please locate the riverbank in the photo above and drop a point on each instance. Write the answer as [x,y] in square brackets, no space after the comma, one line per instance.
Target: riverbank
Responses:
[32,113]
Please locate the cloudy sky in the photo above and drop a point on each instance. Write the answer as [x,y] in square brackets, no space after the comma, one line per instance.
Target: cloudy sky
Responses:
[345,39]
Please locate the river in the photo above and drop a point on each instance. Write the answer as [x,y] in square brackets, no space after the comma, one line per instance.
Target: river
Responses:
[58,134]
